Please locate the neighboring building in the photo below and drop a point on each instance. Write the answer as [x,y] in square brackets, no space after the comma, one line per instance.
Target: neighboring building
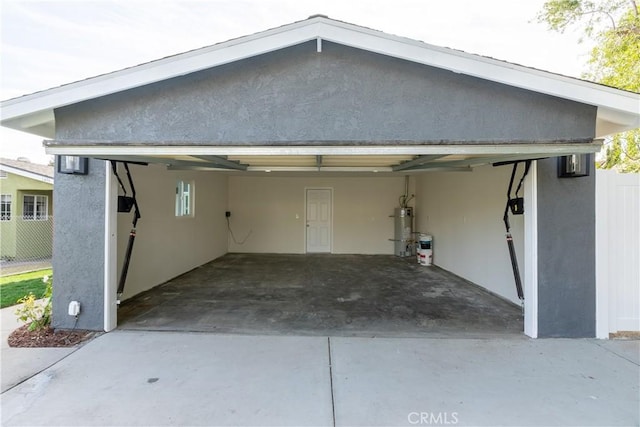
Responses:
[26,208]
[257,124]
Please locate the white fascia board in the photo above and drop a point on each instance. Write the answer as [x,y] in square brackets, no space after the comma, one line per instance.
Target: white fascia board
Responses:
[318,29]
[110,318]
[27,174]
[531,253]
[156,71]
[619,117]
[300,150]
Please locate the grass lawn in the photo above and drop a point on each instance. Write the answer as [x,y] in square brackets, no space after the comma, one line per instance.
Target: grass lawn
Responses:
[14,287]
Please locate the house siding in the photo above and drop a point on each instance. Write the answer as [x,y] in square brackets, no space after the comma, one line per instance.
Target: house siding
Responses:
[566,254]
[340,94]
[78,247]
[19,239]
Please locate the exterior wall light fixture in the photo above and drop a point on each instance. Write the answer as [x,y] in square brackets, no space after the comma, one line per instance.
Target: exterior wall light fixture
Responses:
[73,165]
[574,166]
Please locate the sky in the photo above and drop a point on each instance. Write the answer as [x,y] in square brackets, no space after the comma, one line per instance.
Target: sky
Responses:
[49,43]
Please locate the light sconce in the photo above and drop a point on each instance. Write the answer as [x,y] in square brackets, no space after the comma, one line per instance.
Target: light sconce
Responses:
[73,165]
[574,166]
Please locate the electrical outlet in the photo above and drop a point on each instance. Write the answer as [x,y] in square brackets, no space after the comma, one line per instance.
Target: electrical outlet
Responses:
[74,308]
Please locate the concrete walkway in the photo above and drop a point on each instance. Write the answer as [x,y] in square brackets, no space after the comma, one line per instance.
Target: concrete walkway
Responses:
[19,364]
[8,268]
[170,378]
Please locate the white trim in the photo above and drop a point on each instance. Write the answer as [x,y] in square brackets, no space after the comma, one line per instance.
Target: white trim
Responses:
[531,252]
[26,174]
[319,169]
[541,150]
[35,206]
[34,113]
[179,201]
[110,251]
[602,261]
[11,207]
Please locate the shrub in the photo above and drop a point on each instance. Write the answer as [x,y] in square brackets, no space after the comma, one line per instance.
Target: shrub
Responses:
[37,314]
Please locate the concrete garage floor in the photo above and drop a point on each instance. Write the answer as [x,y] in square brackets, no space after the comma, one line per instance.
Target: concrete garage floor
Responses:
[326,295]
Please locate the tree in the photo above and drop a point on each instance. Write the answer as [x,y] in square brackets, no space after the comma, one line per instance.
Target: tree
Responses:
[614,26]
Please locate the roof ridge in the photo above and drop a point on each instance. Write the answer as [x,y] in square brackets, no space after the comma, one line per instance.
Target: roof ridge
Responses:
[615,105]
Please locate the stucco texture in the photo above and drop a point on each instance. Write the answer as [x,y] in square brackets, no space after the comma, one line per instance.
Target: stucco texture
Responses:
[78,247]
[340,94]
[566,253]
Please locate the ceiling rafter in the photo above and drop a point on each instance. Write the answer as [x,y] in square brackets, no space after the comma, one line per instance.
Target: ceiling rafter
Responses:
[172,163]
[476,161]
[418,161]
[223,162]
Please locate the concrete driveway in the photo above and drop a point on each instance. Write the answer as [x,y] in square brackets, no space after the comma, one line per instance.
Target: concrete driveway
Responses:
[170,378]
[19,364]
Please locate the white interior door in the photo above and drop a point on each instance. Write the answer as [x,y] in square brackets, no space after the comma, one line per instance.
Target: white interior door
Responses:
[319,221]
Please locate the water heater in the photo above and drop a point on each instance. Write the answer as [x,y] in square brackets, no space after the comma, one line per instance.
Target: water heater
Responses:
[404,244]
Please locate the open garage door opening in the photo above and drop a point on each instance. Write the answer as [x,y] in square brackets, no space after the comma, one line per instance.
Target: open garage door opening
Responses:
[252,271]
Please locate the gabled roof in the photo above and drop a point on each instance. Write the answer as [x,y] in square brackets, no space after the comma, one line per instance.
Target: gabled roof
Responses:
[27,169]
[618,110]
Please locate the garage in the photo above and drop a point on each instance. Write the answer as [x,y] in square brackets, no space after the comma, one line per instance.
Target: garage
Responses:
[302,141]
[275,278]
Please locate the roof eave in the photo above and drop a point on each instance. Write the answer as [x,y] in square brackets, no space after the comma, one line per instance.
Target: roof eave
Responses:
[34,113]
[27,174]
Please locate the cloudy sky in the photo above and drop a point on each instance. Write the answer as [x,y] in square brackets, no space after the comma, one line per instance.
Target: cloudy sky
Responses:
[49,43]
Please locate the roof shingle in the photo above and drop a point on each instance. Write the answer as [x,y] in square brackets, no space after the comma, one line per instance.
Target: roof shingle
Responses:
[44,170]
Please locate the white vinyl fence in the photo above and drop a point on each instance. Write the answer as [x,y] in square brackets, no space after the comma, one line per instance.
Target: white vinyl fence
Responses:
[617,252]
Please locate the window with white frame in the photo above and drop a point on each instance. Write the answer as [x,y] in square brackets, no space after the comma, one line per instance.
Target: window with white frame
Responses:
[5,207]
[184,198]
[35,208]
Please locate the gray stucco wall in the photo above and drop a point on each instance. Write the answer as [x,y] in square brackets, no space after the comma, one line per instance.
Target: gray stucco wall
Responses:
[341,94]
[566,254]
[78,247]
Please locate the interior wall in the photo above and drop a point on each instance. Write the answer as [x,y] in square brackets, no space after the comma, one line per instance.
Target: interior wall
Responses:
[167,246]
[463,211]
[273,210]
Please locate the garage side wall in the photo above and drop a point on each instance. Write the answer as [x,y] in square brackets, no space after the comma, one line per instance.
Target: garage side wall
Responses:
[78,247]
[273,210]
[566,254]
[167,246]
[463,212]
